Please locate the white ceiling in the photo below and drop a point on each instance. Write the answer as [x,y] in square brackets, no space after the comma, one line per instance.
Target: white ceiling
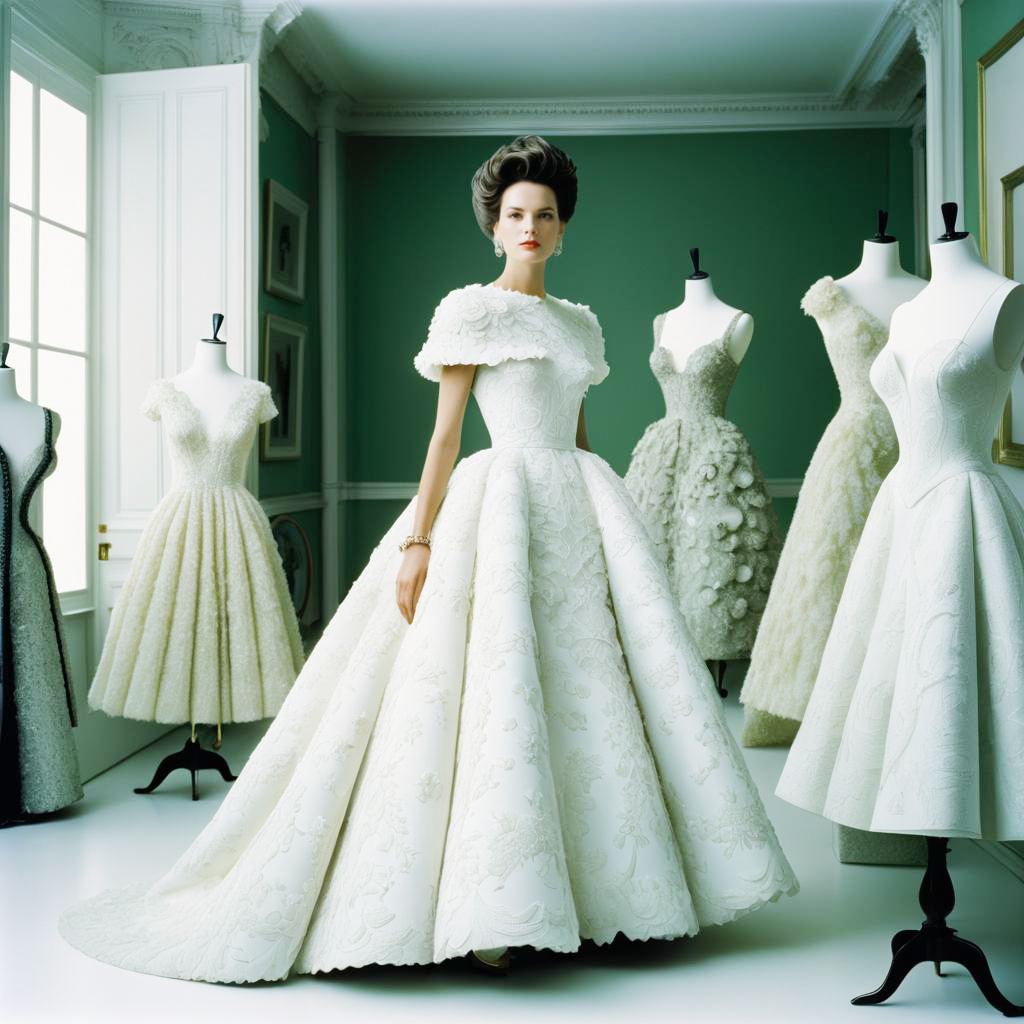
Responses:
[386,50]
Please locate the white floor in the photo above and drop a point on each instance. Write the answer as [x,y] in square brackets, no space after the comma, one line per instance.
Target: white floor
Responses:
[798,960]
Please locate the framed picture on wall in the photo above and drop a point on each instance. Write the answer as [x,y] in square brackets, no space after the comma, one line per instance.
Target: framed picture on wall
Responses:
[284,261]
[283,344]
[1001,200]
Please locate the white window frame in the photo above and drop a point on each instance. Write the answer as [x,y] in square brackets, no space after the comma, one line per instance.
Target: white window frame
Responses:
[50,66]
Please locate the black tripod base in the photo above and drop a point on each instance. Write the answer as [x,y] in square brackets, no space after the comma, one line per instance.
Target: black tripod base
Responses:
[193,758]
[936,942]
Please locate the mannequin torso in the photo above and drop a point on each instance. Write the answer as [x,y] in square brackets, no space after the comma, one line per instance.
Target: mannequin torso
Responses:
[21,422]
[701,319]
[957,301]
[210,384]
[880,284]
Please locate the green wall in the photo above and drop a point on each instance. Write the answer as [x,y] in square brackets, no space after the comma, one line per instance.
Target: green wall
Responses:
[771,212]
[289,156]
[982,24]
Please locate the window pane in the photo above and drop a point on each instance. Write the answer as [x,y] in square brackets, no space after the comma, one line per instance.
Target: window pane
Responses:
[19,276]
[19,359]
[62,388]
[61,288]
[61,161]
[21,141]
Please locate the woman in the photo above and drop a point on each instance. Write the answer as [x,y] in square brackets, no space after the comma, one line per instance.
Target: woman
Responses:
[466,762]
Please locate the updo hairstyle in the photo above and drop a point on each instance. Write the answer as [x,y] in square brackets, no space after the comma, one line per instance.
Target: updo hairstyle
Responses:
[525,158]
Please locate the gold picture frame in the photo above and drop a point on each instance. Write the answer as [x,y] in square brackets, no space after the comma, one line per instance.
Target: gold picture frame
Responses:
[1005,450]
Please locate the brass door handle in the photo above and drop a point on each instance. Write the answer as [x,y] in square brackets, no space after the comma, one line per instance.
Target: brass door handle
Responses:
[104,552]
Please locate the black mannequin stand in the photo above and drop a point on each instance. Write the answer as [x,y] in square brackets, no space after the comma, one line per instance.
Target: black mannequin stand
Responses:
[935,941]
[193,758]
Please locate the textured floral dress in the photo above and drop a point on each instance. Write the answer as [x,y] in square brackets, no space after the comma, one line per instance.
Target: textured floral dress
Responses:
[203,629]
[916,721]
[856,451]
[38,759]
[704,499]
[537,758]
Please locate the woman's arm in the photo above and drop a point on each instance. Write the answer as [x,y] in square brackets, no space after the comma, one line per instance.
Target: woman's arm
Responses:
[443,450]
[581,431]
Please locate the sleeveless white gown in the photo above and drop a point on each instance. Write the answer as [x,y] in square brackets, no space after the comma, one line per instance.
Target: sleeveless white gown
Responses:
[538,758]
[916,721]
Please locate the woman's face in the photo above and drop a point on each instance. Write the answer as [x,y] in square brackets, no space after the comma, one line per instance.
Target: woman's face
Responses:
[529,213]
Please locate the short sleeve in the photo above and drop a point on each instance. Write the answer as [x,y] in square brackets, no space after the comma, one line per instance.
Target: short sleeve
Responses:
[472,328]
[599,368]
[266,410]
[151,403]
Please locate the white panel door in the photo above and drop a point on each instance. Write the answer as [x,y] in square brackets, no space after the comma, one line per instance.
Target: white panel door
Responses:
[176,188]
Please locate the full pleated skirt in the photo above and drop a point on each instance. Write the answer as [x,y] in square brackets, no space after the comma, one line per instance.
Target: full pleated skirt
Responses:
[916,722]
[203,629]
[538,758]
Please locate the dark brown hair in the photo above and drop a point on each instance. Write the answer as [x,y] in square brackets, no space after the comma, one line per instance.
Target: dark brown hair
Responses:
[525,158]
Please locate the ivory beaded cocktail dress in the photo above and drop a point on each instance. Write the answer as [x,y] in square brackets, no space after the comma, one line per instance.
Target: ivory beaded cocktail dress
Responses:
[704,499]
[539,757]
[856,451]
[203,629]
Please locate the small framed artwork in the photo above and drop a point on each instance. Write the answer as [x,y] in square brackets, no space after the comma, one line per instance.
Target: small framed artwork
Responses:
[297,561]
[284,261]
[283,344]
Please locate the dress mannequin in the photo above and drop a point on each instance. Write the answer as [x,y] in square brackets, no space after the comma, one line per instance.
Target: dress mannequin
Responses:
[915,722]
[702,318]
[696,482]
[21,421]
[879,284]
[209,382]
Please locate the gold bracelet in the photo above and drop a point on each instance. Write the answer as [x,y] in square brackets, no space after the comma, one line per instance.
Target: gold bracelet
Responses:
[410,540]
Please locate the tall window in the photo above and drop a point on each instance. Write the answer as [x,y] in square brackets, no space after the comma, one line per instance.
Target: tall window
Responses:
[48,273]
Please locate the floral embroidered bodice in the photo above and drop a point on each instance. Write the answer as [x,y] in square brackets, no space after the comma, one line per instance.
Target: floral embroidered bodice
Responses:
[537,358]
[704,383]
[945,403]
[201,459]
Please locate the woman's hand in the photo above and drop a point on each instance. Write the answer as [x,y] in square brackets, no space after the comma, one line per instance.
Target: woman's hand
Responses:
[411,576]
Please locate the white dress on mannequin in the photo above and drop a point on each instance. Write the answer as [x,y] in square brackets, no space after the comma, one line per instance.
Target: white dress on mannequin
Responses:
[916,721]
[538,757]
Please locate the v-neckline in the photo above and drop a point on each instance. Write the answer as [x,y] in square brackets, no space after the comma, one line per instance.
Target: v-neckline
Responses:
[857,306]
[246,383]
[707,344]
[32,458]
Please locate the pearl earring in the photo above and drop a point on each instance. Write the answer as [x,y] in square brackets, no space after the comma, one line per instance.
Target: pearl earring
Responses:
[499,249]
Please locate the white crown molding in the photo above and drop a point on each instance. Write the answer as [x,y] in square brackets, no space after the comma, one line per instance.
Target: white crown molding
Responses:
[876,61]
[937,27]
[394,490]
[153,35]
[280,79]
[626,116]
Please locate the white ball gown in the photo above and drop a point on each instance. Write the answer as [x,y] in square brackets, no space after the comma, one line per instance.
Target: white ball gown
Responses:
[916,721]
[538,758]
